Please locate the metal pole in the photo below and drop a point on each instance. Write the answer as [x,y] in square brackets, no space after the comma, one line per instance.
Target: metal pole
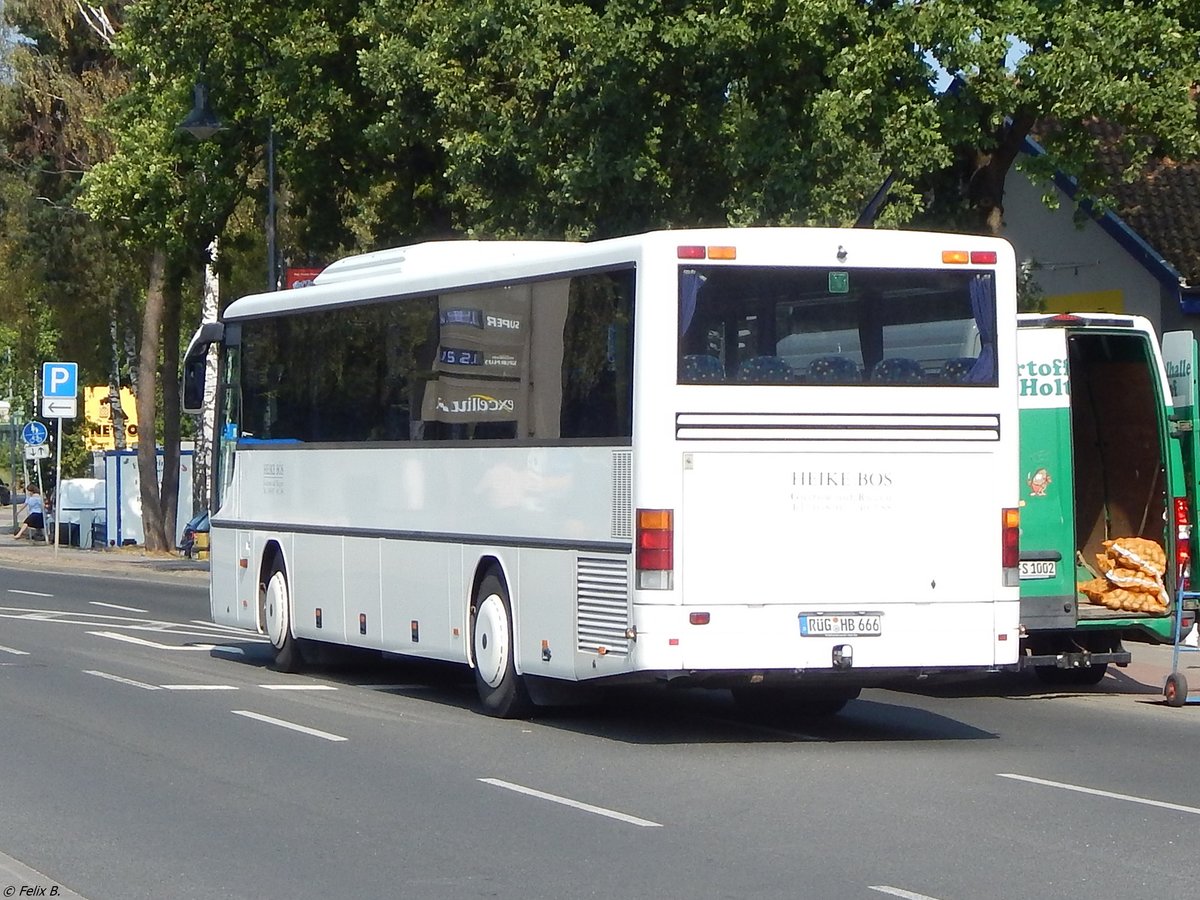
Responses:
[57,486]
[272,276]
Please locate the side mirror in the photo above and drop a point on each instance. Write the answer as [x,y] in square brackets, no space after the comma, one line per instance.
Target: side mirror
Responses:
[195,363]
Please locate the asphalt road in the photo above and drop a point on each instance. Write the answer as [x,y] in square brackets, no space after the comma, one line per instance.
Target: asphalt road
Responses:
[147,753]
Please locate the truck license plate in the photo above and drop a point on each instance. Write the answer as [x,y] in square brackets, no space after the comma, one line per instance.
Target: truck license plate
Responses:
[1030,569]
[864,624]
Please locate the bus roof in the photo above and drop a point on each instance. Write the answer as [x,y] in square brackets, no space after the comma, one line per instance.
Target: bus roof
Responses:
[438,266]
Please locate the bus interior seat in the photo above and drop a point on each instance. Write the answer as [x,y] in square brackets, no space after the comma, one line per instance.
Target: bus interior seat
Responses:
[957,369]
[834,370]
[701,368]
[766,370]
[898,370]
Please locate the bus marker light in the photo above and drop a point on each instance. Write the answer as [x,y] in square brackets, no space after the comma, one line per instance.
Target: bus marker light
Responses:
[690,252]
[317,612]
[722,252]
[672,642]
[955,256]
[983,257]
[415,628]
[602,651]
[243,563]
[698,618]
[362,623]
[1002,637]
[546,654]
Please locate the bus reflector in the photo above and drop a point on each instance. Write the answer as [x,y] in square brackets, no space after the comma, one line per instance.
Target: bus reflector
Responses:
[690,252]
[1010,542]
[655,543]
[955,256]
[983,257]
[698,618]
[722,252]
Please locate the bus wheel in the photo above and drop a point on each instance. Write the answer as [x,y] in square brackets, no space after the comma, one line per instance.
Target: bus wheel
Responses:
[277,614]
[793,702]
[501,690]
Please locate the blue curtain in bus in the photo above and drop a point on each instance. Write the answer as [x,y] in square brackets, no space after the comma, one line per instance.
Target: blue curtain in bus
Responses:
[690,283]
[983,307]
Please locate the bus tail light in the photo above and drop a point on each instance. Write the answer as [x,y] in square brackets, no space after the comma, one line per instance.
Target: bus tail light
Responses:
[1010,546]
[655,549]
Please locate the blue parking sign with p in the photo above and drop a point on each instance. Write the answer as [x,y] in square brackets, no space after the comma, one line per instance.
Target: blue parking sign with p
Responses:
[60,379]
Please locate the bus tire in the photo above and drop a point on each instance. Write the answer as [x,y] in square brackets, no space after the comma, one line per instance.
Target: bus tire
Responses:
[804,703]
[277,617]
[501,690]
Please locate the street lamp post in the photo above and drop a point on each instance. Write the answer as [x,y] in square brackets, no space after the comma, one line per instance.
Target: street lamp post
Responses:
[202,123]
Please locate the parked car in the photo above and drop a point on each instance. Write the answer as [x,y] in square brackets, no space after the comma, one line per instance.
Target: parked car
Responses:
[197,524]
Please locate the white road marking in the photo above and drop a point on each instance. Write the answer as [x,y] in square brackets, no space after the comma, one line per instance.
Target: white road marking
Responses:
[142,642]
[240,632]
[303,729]
[575,804]
[14,652]
[899,892]
[120,680]
[29,593]
[298,687]
[198,687]
[115,606]
[1097,793]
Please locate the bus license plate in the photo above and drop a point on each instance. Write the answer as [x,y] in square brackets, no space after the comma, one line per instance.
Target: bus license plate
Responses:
[1032,569]
[841,625]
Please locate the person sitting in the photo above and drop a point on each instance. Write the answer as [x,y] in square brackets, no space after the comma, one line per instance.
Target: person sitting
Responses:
[35,519]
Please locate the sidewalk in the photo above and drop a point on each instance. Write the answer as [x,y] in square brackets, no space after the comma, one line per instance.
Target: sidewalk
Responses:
[124,562]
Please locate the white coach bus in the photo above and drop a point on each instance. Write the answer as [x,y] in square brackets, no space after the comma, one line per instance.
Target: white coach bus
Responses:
[780,461]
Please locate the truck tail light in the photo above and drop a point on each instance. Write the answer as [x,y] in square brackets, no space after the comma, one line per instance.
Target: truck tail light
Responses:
[1010,546]
[1183,542]
[655,549]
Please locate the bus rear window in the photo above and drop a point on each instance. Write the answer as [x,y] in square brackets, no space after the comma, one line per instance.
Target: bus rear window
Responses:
[776,325]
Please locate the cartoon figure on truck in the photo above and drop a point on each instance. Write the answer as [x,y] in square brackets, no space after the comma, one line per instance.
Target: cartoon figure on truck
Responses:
[1104,518]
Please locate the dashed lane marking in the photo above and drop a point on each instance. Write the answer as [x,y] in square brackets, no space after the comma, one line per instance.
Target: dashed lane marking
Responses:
[198,687]
[120,680]
[574,804]
[1079,789]
[298,687]
[13,651]
[142,642]
[292,726]
[899,892]
[115,606]
[29,593]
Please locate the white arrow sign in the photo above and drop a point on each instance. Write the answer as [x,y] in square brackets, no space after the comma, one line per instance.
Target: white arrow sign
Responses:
[37,451]
[60,407]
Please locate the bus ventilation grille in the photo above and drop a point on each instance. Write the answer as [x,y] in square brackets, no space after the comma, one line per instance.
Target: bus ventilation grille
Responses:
[602,604]
[622,495]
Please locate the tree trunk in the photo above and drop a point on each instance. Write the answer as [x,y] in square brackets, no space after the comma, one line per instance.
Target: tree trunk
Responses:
[202,460]
[172,312]
[152,515]
[990,169]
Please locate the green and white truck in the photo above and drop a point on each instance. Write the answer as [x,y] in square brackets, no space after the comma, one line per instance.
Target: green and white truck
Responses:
[1108,451]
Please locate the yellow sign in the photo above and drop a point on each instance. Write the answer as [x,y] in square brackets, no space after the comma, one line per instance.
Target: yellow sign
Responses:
[1089,301]
[99,418]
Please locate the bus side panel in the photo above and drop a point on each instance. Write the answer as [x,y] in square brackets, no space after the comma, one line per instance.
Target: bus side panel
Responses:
[415,588]
[232,597]
[364,610]
[544,609]
[315,580]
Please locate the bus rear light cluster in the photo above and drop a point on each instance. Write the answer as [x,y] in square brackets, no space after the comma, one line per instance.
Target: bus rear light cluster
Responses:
[700,252]
[655,549]
[975,257]
[1010,544]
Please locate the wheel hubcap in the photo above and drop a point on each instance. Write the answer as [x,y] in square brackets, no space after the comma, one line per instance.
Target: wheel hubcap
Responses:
[491,640]
[276,609]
